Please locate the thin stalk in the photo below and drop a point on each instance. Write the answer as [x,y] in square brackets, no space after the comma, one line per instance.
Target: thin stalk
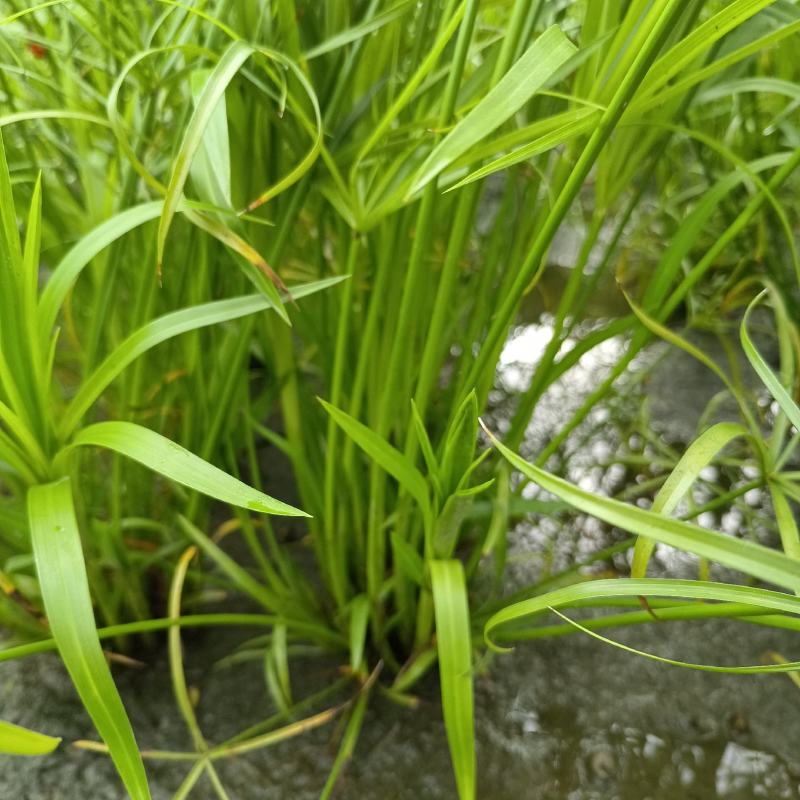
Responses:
[531,269]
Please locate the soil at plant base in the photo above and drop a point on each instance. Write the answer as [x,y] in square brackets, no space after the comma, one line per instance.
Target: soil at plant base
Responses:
[564,719]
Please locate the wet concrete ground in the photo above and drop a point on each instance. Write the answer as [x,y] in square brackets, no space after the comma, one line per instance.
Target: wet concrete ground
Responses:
[566,719]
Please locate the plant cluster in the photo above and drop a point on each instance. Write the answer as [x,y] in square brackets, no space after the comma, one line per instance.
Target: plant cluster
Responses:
[286,236]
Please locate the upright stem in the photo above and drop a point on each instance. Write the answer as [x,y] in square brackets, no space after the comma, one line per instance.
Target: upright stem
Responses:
[531,269]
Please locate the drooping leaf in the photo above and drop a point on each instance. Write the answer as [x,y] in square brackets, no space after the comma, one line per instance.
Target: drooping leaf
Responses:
[223,73]
[164,456]
[748,557]
[68,269]
[578,592]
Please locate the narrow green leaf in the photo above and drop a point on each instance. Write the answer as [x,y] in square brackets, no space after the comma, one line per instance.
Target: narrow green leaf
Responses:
[223,73]
[18,741]
[763,370]
[69,268]
[347,746]
[279,653]
[676,340]
[313,128]
[407,559]
[515,88]
[166,327]
[575,593]
[424,443]
[448,524]
[246,583]
[10,249]
[211,167]
[585,120]
[674,662]
[414,669]
[498,524]
[240,577]
[65,592]
[518,507]
[700,40]
[748,557]
[692,226]
[17,376]
[357,32]
[454,645]
[359,617]
[30,271]
[459,446]
[787,523]
[164,456]
[412,83]
[251,262]
[697,456]
[389,458]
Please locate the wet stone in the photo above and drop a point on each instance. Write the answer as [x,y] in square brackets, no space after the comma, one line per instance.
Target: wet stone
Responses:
[745,773]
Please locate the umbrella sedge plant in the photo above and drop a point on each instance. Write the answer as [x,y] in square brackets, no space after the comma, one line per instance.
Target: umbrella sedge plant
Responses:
[416,161]
[42,434]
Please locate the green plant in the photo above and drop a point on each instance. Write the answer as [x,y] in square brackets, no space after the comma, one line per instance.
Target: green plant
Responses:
[748,603]
[40,436]
[423,157]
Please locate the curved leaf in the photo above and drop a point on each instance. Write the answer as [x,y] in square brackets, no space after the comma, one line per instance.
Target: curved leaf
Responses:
[648,587]
[752,559]
[227,67]
[69,268]
[178,464]
[65,592]
[698,455]
[763,370]
[166,327]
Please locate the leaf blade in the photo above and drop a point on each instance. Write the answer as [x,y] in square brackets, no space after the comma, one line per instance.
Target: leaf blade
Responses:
[647,587]
[513,90]
[750,558]
[389,458]
[18,741]
[453,642]
[178,464]
[166,327]
[65,592]
[229,64]
[697,456]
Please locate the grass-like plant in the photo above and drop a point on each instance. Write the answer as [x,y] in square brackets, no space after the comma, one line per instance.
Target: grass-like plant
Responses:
[416,162]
